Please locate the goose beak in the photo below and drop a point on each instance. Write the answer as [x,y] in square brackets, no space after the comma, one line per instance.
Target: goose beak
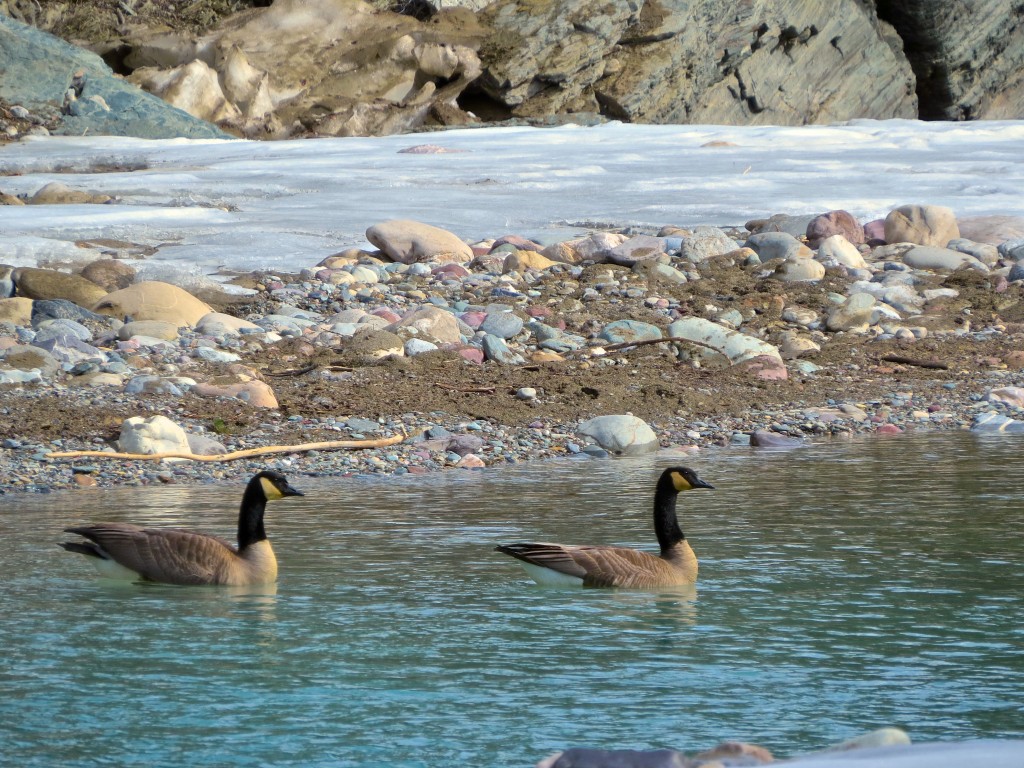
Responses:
[703,484]
[289,491]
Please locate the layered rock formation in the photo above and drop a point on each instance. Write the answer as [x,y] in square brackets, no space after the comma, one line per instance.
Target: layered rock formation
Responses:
[674,61]
[968,56]
[345,67]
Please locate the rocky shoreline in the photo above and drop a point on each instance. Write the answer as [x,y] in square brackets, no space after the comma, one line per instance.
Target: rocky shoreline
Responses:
[442,354]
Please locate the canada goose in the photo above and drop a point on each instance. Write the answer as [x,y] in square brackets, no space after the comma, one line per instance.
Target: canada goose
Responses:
[176,556]
[605,566]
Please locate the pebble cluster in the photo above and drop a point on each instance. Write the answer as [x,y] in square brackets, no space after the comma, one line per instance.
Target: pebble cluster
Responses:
[99,337]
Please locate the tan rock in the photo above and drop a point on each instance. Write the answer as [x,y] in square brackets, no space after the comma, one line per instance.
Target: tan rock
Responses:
[563,253]
[109,274]
[153,300]
[49,284]
[156,329]
[97,379]
[255,393]
[17,311]
[193,87]
[56,193]
[800,269]
[522,260]
[546,356]
[922,225]
[408,242]
[431,323]
[221,324]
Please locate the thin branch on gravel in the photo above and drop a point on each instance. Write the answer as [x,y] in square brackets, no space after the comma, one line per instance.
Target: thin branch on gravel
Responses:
[470,390]
[911,361]
[243,454]
[644,342]
[292,371]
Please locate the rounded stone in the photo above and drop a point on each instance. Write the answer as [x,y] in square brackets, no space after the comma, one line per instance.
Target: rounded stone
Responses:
[922,225]
[504,325]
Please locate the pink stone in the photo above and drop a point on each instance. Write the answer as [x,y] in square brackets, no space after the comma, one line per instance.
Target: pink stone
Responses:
[473,319]
[834,223]
[874,232]
[452,270]
[888,429]
[472,354]
[538,312]
[387,314]
[6,342]
[255,393]
[765,367]
[471,461]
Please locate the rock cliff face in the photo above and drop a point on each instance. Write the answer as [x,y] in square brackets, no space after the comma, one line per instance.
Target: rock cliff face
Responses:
[717,61]
[346,67]
[968,56]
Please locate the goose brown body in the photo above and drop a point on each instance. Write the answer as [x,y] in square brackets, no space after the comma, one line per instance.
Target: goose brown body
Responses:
[611,566]
[177,556]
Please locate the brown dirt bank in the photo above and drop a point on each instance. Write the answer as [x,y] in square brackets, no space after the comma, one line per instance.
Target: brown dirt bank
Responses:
[651,384]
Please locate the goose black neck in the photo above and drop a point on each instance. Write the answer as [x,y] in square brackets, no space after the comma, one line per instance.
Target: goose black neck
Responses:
[666,524]
[250,516]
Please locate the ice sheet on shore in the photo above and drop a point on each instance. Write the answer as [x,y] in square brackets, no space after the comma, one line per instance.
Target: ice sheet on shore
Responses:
[240,205]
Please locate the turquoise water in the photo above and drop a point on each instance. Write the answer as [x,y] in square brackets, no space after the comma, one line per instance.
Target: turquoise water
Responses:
[843,588]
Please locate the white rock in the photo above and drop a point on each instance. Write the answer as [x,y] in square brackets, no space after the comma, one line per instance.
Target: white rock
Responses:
[840,250]
[930,257]
[157,434]
[800,270]
[736,347]
[1010,395]
[620,434]
[415,347]
[854,315]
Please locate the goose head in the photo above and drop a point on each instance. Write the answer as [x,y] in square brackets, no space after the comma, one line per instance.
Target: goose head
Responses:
[273,485]
[675,479]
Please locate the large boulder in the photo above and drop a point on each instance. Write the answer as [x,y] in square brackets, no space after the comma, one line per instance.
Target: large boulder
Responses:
[49,284]
[44,73]
[153,300]
[788,62]
[921,225]
[411,241]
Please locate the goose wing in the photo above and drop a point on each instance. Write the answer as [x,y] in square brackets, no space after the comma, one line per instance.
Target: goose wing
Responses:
[168,555]
[597,566]
[624,567]
[557,557]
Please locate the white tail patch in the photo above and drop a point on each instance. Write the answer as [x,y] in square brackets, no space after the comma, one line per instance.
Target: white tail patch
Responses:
[111,569]
[549,578]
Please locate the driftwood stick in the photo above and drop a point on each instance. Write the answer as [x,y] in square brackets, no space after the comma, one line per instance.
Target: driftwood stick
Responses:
[468,390]
[644,342]
[911,361]
[243,454]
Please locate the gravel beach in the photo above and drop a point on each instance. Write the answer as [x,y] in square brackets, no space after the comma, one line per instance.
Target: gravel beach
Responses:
[504,355]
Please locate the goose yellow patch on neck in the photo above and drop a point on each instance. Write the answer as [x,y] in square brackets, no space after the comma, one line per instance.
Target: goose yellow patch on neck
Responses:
[270,490]
[680,482]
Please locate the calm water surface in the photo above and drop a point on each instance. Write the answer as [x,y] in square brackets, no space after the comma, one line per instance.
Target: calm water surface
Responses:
[842,588]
